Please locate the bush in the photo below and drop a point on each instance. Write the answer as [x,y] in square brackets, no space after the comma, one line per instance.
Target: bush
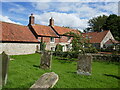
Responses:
[58,47]
[67,54]
[91,50]
[42,46]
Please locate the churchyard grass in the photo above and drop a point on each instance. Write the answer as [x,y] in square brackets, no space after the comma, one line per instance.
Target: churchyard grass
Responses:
[24,71]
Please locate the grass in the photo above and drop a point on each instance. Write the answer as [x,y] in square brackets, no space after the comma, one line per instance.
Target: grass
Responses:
[24,71]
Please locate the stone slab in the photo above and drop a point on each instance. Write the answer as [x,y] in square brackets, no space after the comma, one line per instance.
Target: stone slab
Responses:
[47,80]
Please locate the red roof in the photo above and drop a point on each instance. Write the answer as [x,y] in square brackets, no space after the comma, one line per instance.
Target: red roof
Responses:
[43,30]
[111,41]
[95,37]
[63,30]
[14,32]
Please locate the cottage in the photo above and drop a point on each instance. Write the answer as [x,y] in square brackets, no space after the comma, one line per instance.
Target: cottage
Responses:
[99,39]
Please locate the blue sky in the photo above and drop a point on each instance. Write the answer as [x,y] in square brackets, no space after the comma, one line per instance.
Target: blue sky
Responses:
[70,14]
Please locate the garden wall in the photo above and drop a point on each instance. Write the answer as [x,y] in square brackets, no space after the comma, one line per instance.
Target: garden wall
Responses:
[105,57]
[18,48]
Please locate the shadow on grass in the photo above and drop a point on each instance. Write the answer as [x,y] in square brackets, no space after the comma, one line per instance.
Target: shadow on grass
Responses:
[37,66]
[117,77]
[63,61]
[72,72]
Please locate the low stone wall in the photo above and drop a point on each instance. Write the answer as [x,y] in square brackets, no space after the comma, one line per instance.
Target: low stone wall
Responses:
[105,57]
[18,48]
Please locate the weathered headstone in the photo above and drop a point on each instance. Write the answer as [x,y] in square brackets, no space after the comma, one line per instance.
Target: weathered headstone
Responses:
[4,59]
[0,72]
[47,80]
[46,59]
[84,66]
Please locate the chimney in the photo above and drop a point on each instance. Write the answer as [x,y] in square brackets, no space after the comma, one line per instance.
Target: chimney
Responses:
[51,22]
[31,20]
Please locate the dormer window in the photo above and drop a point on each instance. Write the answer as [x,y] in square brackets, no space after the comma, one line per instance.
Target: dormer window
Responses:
[52,39]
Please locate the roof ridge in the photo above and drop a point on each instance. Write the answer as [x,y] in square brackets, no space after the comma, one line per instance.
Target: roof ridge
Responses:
[11,23]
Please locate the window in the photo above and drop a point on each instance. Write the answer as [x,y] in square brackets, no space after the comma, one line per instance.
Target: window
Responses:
[52,39]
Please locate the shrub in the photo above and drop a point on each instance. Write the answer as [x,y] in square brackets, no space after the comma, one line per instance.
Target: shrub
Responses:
[58,47]
[42,46]
[91,50]
[68,54]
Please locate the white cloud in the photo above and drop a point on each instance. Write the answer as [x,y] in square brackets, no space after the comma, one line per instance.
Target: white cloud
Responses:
[40,6]
[109,7]
[62,19]
[7,19]
[17,8]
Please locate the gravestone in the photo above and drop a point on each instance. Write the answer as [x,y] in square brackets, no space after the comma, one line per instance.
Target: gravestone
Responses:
[46,59]
[0,71]
[4,59]
[47,80]
[84,64]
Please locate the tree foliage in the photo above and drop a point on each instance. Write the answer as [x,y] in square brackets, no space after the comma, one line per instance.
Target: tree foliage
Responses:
[78,42]
[96,23]
[58,47]
[113,24]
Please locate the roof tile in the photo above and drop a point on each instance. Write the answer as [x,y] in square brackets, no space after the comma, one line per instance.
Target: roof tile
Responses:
[95,37]
[14,32]
[43,30]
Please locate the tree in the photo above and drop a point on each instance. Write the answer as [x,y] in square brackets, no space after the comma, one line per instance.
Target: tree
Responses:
[78,42]
[96,24]
[113,24]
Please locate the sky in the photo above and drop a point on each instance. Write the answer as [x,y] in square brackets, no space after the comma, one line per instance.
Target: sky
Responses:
[68,14]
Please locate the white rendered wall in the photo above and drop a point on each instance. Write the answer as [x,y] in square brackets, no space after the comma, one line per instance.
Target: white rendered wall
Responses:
[106,38]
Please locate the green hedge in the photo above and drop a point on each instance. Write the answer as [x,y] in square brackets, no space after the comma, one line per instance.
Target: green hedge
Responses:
[66,54]
[73,54]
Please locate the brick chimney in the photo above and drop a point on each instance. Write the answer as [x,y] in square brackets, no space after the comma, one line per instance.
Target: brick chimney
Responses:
[31,20]
[51,22]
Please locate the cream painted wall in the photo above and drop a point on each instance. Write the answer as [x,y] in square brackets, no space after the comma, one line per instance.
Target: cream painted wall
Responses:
[106,38]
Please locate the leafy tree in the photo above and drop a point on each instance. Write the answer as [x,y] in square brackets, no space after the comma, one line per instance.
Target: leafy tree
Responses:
[113,24]
[96,23]
[78,42]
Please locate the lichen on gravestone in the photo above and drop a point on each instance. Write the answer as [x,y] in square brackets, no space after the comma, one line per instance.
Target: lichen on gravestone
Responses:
[4,59]
[47,80]
[84,66]
[46,59]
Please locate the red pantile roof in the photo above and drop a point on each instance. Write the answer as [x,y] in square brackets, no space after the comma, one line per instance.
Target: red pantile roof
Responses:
[111,41]
[14,32]
[43,30]
[63,30]
[95,37]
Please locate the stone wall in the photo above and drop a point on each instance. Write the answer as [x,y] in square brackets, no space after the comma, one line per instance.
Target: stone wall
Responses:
[105,57]
[18,48]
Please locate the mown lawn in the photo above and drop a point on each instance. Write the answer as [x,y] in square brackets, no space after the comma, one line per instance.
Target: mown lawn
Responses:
[24,71]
